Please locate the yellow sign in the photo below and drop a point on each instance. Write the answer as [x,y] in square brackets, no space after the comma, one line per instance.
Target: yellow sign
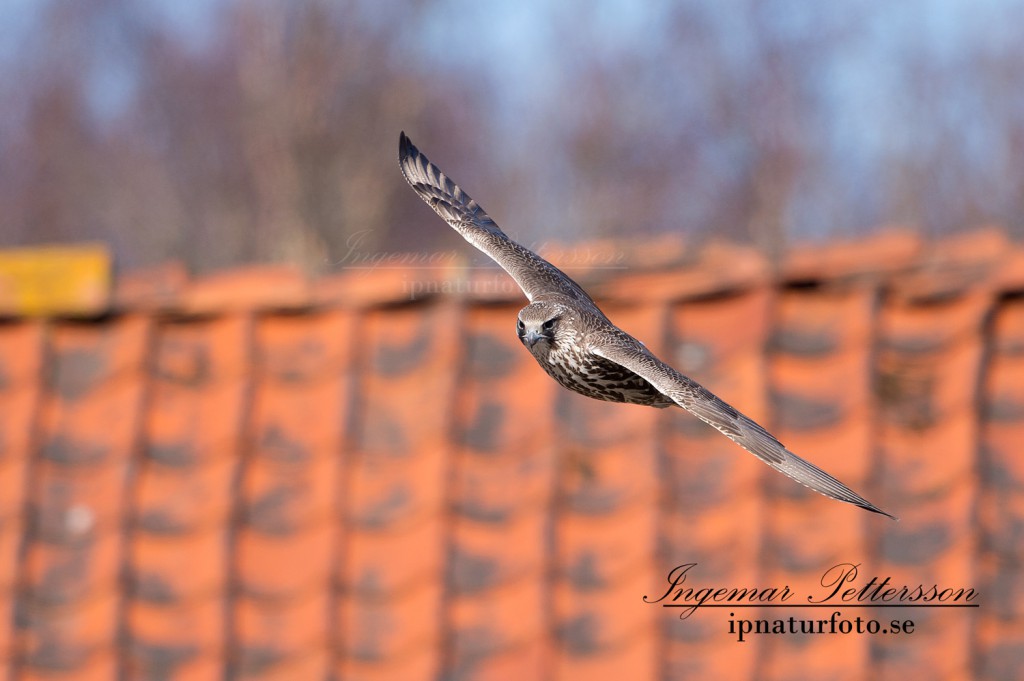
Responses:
[55,280]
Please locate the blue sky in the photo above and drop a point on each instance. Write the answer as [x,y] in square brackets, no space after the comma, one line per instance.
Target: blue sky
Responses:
[869,105]
[513,44]
[513,40]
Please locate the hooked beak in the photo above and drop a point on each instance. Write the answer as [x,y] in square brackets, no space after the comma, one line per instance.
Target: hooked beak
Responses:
[531,337]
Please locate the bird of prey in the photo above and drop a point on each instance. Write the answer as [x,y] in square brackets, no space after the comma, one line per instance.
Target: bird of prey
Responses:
[578,346]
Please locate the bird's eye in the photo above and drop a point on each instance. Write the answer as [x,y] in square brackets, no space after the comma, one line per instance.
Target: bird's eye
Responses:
[519,324]
[548,325]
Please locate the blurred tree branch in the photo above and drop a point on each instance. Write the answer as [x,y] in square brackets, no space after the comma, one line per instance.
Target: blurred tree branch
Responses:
[273,140]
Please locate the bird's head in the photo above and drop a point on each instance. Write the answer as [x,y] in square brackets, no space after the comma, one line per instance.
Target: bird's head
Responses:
[541,323]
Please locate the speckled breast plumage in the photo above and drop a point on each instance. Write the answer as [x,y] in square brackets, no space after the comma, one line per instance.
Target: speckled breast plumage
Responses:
[599,378]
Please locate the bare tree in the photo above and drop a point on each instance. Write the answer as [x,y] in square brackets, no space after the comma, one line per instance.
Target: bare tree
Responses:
[273,139]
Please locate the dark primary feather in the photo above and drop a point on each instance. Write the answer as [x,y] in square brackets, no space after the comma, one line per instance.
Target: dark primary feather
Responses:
[535,275]
[742,430]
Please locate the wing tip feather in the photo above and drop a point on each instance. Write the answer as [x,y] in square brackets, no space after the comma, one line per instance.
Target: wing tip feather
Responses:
[868,506]
[405,146]
[817,480]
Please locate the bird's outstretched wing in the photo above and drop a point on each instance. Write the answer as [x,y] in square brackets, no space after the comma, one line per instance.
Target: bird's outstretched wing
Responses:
[706,406]
[535,275]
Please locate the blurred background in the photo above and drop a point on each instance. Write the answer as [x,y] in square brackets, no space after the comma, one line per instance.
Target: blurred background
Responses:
[260,420]
[220,132]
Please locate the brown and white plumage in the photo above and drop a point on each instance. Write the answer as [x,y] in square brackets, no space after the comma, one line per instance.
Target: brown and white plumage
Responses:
[576,344]
[534,274]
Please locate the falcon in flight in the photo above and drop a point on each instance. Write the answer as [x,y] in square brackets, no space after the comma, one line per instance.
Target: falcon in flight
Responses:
[578,346]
